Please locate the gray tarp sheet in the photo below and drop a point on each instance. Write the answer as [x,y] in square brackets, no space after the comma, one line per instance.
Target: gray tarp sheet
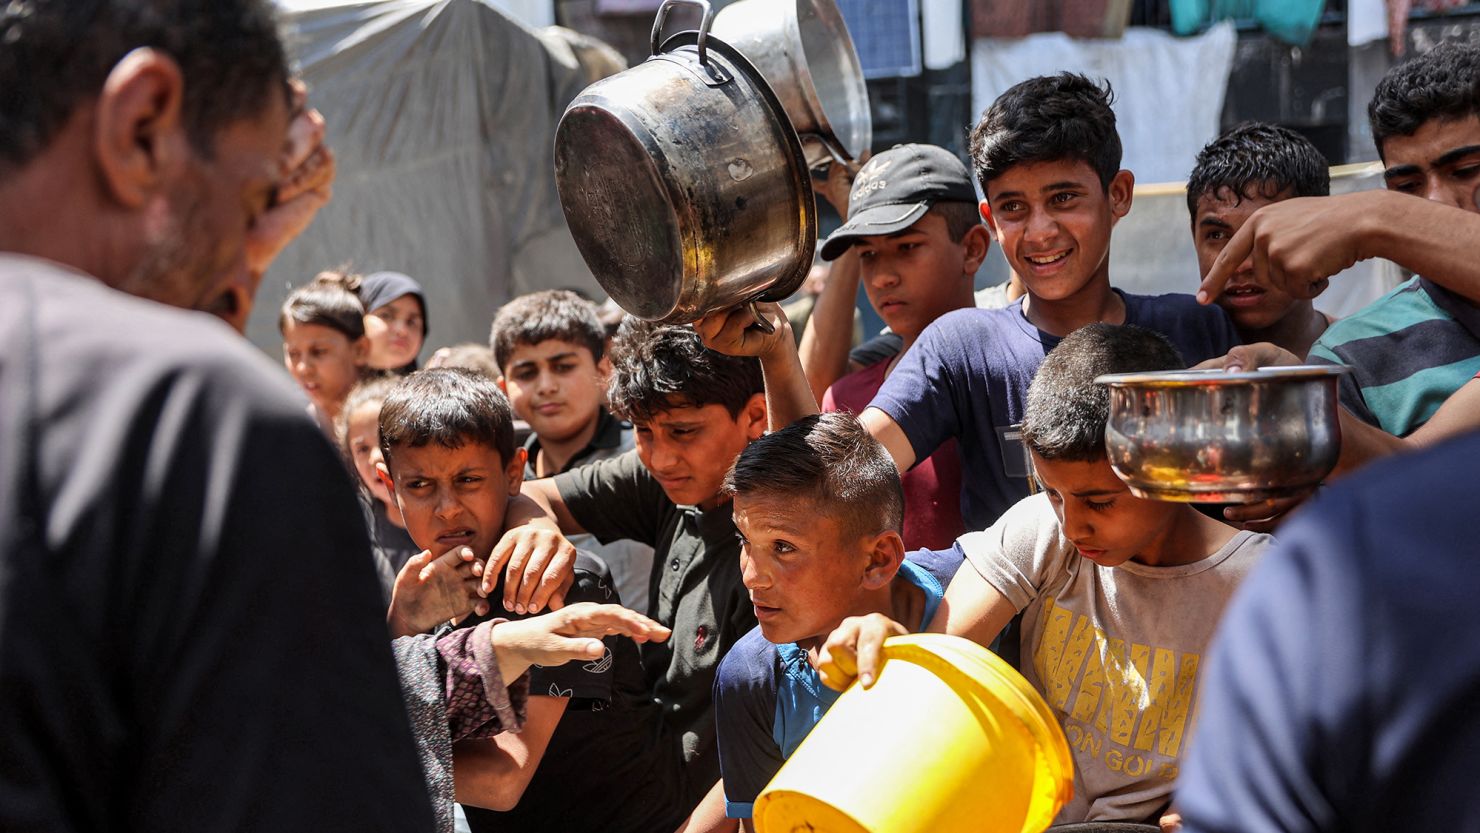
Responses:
[442,114]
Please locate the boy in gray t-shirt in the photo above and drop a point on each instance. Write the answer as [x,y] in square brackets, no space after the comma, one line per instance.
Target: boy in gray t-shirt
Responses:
[1119,595]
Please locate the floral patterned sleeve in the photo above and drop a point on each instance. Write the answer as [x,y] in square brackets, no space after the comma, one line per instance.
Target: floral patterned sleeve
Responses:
[479,704]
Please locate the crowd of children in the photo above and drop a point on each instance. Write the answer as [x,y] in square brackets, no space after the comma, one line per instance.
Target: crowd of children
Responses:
[955,481]
[626,568]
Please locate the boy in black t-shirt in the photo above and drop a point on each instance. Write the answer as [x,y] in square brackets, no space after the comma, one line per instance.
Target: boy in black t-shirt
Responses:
[448,440]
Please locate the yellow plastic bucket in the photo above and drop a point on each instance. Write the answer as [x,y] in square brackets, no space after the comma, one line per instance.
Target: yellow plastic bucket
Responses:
[950,739]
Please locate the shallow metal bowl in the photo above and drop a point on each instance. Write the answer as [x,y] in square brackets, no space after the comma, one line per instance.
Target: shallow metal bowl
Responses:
[1216,437]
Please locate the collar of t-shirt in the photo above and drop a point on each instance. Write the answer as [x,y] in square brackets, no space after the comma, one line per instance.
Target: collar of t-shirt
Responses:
[1132,309]
[608,436]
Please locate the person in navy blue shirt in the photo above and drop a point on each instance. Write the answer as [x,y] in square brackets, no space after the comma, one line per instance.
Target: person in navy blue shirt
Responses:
[1343,685]
[819,508]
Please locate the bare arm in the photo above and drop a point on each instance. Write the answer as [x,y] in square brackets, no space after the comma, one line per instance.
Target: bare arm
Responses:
[829,334]
[788,396]
[709,816]
[494,773]
[1362,443]
[890,435]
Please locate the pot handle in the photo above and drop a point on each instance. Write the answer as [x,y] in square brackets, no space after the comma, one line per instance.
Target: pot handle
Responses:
[762,323]
[835,151]
[704,25]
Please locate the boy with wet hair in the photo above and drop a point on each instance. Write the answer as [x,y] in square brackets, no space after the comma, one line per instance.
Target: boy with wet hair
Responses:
[447,437]
[694,411]
[1048,159]
[1118,595]
[1245,169]
[550,348]
[819,508]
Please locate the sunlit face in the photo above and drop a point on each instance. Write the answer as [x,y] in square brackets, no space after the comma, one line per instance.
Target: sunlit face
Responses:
[803,573]
[197,234]
[1439,162]
[454,497]
[362,441]
[914,276]
[690,450]
[555,386]
[1253,304]
[1053,222]
[324,362]
[395,331]
[1098,513]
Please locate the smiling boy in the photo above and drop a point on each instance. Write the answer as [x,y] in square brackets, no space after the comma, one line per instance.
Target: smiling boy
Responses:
[447,437]
[1236,174]
[694,411]
[1119,595]
[819,508]
[914,228]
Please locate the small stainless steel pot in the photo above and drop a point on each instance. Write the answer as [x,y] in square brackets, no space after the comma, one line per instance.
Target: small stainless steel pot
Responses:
[804,50]
[683,182]
[1215,437]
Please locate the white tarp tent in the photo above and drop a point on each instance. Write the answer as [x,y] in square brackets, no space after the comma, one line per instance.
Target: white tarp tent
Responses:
[442,115]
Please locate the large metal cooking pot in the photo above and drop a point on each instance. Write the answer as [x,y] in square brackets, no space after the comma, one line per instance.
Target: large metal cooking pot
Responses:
[803,49]
[1216,437]
[684,184]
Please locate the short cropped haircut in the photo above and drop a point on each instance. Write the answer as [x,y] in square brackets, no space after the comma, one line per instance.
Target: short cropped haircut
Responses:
[328,300]
[657,367]
[541,316]
[58,53]
[1256,160]
[1439,84]
[1050,118]
[960,218]
[831,462]
[1067,412]
[449,406]
[469,355]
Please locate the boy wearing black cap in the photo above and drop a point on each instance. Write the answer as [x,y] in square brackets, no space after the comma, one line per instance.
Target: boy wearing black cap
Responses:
[915,228]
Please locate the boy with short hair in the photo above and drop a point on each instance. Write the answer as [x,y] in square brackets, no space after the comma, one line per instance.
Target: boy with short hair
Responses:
[1048,159]
[1119,595]
[1236,174]
[694,411]
[819,507]
[550,348]
[914,227]
[447,437]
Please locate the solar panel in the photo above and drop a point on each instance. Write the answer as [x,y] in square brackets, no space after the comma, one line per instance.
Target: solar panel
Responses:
[886,34]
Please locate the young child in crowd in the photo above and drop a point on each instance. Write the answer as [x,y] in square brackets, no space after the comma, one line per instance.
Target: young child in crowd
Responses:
[359,438]
[550,348]
[324,343]
[395,320]
[1047,156]
[1236,174]
[470,355]
[447,438]
[914,226]
[694,411]
[1119,595]
[819,507]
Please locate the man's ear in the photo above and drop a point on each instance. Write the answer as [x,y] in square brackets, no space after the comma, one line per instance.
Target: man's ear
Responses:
[988,220]
[360,349]
[514,471]
[1122,189]
[503,384]
[753,416]
[977,242]
[885,556]
[604,367]
[139,139]
[385,476]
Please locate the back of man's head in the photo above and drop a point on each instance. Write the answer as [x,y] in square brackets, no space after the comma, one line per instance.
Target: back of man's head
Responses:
[1256,160]
[1067,412]
[832,464]
[1048,119]
[1441,83]
[57,54]
[656,367]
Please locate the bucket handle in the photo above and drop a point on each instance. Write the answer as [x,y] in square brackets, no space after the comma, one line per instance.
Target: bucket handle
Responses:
[704,25]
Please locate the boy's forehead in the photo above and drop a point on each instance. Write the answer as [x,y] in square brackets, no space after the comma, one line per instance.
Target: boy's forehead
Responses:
[1432,142]
[435,457]
[1037,177]
[680,411]
[1224,200]
[549,349]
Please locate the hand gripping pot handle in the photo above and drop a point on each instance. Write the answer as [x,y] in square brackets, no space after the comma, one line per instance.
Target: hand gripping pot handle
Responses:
[704,24]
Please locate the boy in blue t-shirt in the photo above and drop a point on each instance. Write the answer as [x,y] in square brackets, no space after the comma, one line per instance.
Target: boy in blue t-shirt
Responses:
[1047,156]
[819,508]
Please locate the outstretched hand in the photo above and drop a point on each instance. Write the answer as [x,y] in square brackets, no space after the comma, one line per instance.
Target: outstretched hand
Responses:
[1252,357]
[571,633]
[1297,244]
[855,650]
[432,590]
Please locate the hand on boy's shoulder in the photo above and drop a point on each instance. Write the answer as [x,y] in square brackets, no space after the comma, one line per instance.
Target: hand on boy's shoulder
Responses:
[537,565]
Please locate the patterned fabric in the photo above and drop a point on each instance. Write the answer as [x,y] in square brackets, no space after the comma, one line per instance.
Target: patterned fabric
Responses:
[478,704]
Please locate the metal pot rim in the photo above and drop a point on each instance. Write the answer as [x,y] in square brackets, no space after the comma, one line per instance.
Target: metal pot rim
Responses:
[1220,378]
